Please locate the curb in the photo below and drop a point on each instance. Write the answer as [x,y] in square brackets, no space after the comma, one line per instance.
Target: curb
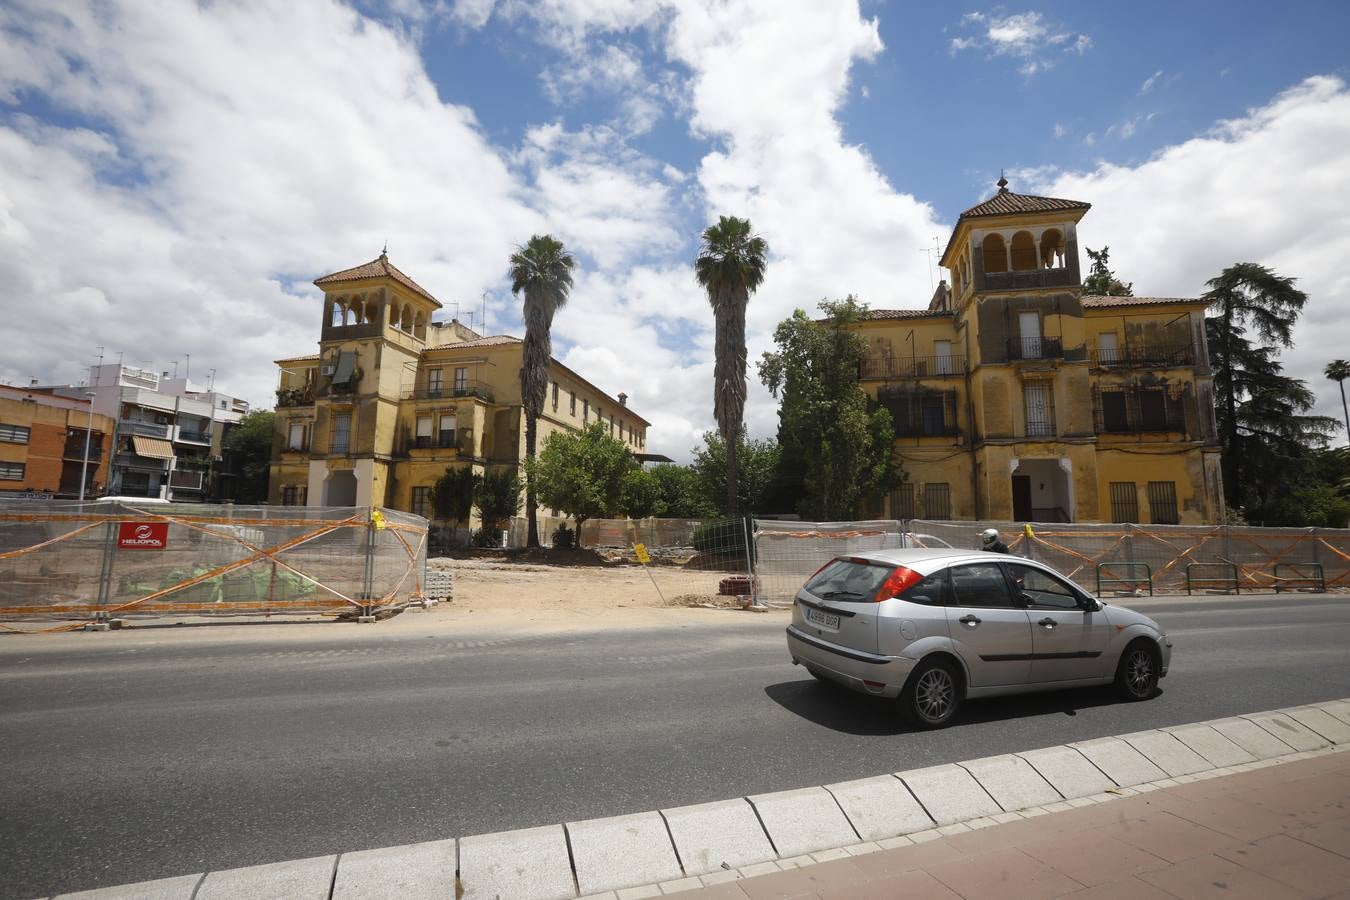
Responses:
[666,851]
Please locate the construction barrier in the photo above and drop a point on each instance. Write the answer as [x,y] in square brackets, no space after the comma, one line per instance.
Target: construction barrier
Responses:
[690,562]
[67,564]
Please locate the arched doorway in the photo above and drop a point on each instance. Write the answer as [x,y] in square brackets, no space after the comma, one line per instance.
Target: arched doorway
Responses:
[1042,490]
[340,489]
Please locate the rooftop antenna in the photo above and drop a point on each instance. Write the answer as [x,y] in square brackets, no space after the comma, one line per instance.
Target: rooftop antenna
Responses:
[175,368]
[187,367]
[211,382]
[484,325]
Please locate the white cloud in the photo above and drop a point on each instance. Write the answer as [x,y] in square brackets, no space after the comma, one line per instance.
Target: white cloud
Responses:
[1028,37]
[1149,82]
[203,199]
[1060,130]
[1267,188]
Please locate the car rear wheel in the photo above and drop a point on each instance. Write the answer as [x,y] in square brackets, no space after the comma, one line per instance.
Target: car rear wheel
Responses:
[1137,672]
[932,695]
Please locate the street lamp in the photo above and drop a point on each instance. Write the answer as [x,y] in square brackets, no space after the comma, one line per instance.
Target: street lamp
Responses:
[88,430]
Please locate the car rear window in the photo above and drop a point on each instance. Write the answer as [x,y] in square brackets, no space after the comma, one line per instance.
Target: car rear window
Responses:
[849,581]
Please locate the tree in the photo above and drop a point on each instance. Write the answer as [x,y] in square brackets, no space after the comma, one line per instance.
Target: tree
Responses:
[248,450]
[730,267]
[452,496]
[582,473]
[497,496]
[1338,371]
[542,270]
[758,461]
[1261,413]
[839,447]
[681,496]
[641,494]
[1101,281]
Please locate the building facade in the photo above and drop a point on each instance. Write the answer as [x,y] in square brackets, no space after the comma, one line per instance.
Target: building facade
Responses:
[1016,397]
[48,442]
[393,399]
[168,432]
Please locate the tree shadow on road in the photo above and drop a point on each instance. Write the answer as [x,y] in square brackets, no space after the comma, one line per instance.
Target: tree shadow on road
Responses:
[842,710]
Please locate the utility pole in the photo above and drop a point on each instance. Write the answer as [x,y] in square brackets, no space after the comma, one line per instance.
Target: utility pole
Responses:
[89,428]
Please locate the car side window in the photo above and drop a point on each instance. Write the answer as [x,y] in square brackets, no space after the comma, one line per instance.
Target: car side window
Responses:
[981,584]
[932,591]
[1042,589]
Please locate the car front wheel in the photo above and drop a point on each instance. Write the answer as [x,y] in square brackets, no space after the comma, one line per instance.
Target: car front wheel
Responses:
[931,696]
[1137,672]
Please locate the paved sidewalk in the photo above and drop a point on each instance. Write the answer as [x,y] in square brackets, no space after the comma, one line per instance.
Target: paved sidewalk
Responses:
[1269,832]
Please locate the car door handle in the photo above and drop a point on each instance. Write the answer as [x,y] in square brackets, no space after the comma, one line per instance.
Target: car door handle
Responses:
[1047,622]
[972,621]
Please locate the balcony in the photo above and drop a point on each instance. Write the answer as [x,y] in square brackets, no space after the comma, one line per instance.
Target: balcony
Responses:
[921,413]
[1029,279]
[74,449]
[477,389]
[187,479]
[191,436]
[287,397]
[874,366]
[1025,348]
[1145,356]
[146,429]
[445,440]
[141,463]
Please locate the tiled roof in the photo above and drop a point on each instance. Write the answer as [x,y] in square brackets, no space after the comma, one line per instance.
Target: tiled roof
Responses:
[908,314]
[1096,301]
[492,340]
[1006,203]
[313,357]
[380,267]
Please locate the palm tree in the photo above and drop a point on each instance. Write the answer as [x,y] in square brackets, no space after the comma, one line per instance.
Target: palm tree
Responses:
[730,267]
[543,270]
[1338,371]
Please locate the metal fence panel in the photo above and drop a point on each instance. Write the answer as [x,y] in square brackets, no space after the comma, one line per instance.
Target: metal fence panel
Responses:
[70,563]
[690,562]
[787,553]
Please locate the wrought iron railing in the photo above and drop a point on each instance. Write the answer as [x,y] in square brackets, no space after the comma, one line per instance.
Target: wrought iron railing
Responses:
[450,391]
[875,365]
[294,397]
[1134,410]
[1146,355]
[1035,348]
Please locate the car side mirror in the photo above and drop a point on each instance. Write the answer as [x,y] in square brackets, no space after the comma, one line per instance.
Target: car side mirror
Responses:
[1089,604]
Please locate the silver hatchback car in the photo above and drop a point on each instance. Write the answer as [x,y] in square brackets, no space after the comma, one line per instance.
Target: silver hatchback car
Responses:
[930,628]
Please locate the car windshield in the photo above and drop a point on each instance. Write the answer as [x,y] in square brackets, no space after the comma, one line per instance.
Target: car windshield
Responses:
[847,580]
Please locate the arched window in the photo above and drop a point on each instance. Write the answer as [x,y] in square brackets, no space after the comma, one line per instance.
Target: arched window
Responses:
[1052,249]
[1023,252]
[995,254]
[407,320]
[347,314]
[393,315]
[335,313]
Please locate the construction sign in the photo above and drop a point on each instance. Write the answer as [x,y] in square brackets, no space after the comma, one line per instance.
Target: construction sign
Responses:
[640,551]
[142,535]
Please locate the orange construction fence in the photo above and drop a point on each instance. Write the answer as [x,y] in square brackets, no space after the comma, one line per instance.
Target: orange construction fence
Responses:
[67,564]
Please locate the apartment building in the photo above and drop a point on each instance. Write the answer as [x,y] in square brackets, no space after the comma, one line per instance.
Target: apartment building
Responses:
[168,432]
[1017,397]
[51,446]
[393,398]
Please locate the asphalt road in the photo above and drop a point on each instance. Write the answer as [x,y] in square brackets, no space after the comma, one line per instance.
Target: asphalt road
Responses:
[127,758]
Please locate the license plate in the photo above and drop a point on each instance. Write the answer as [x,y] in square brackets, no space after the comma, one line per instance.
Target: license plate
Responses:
[827,620]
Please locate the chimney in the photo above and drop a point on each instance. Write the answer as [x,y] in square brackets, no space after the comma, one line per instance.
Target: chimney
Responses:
[623,399]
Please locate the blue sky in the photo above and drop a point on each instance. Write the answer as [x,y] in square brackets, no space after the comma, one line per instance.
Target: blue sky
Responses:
[198,167]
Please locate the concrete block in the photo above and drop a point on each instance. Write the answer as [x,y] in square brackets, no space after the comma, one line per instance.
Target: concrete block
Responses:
[1322,722]
[300,879]
[1167,753]
[1212,745]
[179,888]
[803,821]
[410,872]
[1068,771]
[1338,708]
[1293,733]
[1122,763]
[949,794]
[531,862]
[710,834]
[622,851]
[1012,782]
[880,807]
[1251,737]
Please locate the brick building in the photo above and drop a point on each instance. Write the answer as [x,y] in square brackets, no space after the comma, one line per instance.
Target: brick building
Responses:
[42,445]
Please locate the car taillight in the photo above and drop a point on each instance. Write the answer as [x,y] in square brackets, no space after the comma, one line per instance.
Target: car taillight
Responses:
[897,583]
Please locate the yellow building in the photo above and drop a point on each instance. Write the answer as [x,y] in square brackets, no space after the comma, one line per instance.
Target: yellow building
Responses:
[1016,397]
[392,399]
